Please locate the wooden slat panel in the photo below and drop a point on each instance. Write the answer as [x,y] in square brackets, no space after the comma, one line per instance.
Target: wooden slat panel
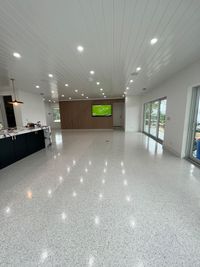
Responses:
[77,115]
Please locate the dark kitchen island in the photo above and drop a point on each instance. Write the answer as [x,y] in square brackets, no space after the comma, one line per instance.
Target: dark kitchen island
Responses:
[20,144]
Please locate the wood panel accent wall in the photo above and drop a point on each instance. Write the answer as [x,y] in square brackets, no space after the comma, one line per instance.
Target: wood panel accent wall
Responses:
[78,114]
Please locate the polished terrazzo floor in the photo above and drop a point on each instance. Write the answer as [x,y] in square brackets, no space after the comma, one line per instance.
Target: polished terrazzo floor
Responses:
[100,198]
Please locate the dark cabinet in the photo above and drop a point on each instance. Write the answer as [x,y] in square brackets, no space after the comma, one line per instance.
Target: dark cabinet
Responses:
[35,141]
[6,152]
[19,146]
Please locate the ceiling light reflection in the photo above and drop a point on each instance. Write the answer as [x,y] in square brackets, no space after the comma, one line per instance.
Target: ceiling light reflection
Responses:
[132,223]
[29,194]
[7,210]
[63,216]
[74,194]
[97,220]
[91,261]
[128,198]
[44,255]
[125,182]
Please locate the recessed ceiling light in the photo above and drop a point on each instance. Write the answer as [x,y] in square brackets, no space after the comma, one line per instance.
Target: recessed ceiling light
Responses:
[101,89]
[70,98]
[153,41]
[87,97]
[131,81]
[92,72]
[66,84]
[49,100]
[80,48]
[138,69]
[82,94]
[52,92]
[76,91]
[103,94]
[124,93]
[63,95]
[98,83]
[127,88]
[37,86]
[54,101]
[50,75]
[17,55]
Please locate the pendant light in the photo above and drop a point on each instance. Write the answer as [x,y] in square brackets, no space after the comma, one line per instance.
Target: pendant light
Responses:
[15,101]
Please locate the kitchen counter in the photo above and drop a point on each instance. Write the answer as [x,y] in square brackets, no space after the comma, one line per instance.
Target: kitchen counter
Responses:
[20,131]
[21,143]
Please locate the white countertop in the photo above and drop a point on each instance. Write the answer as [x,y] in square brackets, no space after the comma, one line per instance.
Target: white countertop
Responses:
[22,131]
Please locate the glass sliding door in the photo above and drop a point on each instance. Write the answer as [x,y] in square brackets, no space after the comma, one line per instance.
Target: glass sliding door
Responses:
[154,118]
[146,117]
[162,117]
[194,137]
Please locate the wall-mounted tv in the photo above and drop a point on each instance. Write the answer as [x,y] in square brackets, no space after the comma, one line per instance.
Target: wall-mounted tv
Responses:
[101,110]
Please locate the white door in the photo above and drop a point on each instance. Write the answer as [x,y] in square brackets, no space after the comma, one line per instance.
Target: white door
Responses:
[118,114]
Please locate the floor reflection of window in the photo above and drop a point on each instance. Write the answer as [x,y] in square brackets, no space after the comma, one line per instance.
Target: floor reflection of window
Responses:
[58,138]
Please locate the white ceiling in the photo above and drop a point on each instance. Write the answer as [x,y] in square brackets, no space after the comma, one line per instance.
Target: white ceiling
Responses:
[116,36]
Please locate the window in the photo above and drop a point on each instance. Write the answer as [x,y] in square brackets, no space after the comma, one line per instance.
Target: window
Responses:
[146,117]
[161,125]
[194,127]
[56,115]
[154,118]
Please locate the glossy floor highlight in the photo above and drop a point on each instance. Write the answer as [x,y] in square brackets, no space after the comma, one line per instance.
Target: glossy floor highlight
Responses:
[100,198]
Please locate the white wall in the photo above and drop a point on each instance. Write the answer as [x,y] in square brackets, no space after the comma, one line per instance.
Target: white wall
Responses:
[32,110]
[132,113]
[177,89]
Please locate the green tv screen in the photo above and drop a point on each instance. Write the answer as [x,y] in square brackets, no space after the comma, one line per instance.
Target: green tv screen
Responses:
[101,110]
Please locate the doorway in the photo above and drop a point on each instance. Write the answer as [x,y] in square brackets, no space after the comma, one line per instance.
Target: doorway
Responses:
[118,115]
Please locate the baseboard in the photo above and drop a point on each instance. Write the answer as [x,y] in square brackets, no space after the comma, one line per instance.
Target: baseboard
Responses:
[86,130]
[171,150]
